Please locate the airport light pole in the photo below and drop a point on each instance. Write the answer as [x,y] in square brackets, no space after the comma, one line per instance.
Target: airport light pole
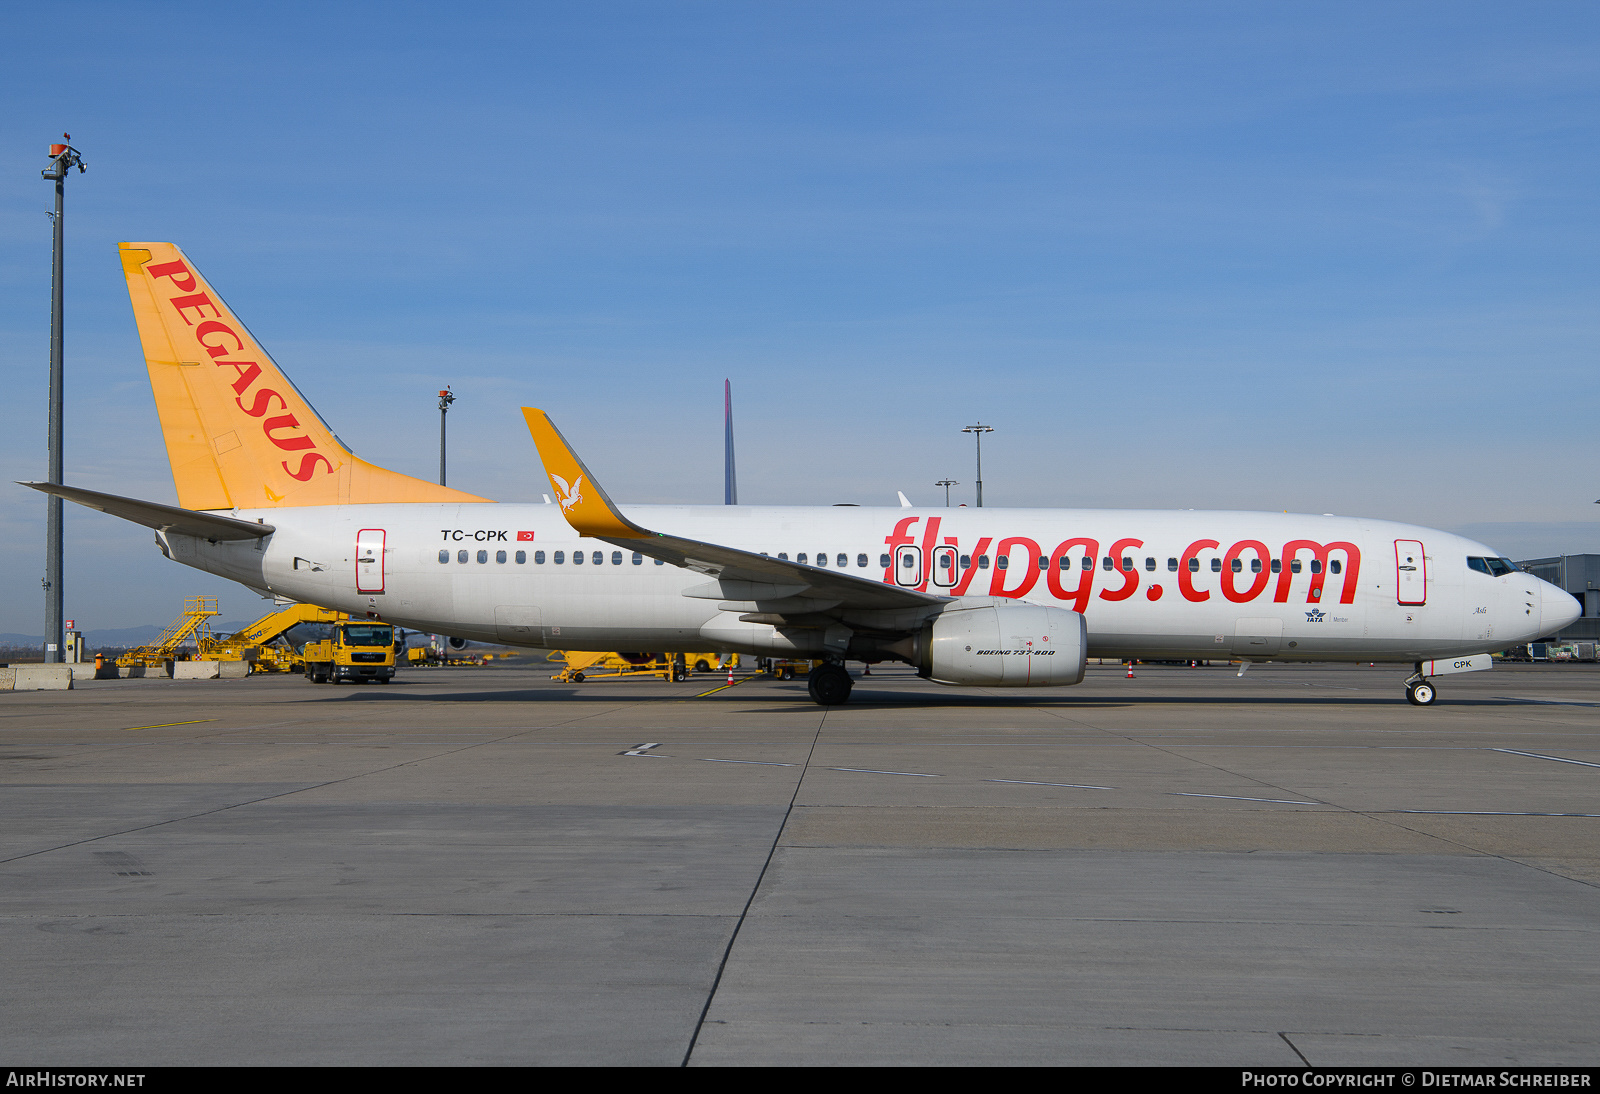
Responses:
[978,431]
[947,484]
[63,158]
[445,399]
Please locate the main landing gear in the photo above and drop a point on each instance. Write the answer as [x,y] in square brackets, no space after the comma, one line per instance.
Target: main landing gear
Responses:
[1419,692]
[829,684]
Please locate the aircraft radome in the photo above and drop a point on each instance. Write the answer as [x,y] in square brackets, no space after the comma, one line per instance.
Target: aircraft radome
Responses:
[991,597]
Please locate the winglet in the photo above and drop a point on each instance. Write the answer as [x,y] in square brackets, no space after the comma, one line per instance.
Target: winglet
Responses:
[583,502]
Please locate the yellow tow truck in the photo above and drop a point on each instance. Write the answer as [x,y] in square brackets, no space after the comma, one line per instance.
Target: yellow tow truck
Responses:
[357,652]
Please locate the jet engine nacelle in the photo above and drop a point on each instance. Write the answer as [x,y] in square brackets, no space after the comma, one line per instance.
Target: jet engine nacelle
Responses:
[1005,645]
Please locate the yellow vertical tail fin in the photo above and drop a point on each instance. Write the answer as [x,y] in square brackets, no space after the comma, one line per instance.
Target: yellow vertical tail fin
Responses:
[239,434]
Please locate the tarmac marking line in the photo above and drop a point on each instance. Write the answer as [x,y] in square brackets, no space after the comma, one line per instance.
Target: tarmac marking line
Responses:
[1538,756]
[642,750]
[1030,782]
[1240,798]
[763,763]
[1475,813]
[725,687]
[875,771]
[164,725]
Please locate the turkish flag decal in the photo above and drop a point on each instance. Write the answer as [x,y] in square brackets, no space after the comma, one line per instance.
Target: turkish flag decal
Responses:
[524,537]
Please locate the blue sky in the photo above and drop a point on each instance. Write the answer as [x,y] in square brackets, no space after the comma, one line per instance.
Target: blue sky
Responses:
[1320,257]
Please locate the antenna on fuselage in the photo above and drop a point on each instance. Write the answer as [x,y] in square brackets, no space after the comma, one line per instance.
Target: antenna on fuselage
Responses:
[730,480]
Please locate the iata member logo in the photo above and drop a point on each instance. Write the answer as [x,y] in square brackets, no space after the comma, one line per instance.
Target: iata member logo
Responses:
[524,537]
[1315,616]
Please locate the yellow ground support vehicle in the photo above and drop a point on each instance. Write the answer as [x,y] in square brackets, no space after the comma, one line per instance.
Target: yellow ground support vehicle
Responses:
[358,651]
[585,665]
[711,662]
[255,642]
[195,622]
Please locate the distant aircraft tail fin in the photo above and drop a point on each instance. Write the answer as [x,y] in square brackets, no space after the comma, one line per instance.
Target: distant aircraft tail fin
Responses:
[238,432]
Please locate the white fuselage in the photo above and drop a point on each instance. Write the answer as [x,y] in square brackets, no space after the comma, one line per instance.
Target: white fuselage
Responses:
[453,569]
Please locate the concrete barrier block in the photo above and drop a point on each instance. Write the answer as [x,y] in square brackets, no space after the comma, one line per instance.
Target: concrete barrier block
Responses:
[233,670]
[195,670]
[8,677]
[82,671]
[43,678]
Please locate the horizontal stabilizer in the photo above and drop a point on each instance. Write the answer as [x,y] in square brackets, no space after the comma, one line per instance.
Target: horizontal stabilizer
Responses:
[163,518]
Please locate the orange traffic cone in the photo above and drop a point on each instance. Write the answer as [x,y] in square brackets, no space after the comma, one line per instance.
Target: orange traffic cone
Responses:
[1130,670]
[730,675]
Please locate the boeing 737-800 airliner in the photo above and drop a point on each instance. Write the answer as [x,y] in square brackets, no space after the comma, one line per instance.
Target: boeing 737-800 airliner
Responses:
[988,597]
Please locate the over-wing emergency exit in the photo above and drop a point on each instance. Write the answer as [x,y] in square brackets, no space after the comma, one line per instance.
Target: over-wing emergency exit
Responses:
[269,496]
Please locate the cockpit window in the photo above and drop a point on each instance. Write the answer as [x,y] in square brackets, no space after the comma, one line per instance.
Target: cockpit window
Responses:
[1494,567]
[1479,564]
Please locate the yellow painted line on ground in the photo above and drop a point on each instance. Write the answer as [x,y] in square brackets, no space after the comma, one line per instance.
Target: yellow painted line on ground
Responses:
[735,684]
[164,725]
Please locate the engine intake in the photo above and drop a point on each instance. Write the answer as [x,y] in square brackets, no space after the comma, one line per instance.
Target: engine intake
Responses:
[1005,645]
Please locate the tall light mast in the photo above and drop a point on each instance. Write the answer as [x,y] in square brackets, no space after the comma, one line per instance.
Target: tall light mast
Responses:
[730,480]
[63,157]
[978,431]
[445,399]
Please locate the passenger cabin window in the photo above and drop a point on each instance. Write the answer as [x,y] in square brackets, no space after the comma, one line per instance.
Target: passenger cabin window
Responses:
[444,556]
[1335,566]
[843,561]
[461,556]
[1255,565]
[1316,565]
[577,558]
[522,558]
[538,558]
[983,562]
[597,558]
[944,561]
[1127,564]
[1149,564]
[861,561]
[883,560]
[785,556]
[1002,562]
[1216,565]
[1172,565]
[560,557]
[1106,563]
[638,559]
[616,558]
[500,556]
[801,558]
[1194,565]
[1237,565]
[1088,563]
[822,558]
[1294,566]
[483,556]
[1044,562]
[1277,565]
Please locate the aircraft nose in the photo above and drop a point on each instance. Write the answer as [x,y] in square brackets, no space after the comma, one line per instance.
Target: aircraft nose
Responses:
[1558,608]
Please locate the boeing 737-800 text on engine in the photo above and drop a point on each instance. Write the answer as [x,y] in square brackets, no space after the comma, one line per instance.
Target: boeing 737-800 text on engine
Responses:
[269,497]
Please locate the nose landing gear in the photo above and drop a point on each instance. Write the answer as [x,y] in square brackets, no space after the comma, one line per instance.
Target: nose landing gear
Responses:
[1419,692]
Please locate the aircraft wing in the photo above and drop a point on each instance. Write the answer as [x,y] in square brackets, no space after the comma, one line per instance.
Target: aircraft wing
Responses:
[740,575]
[163,518]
